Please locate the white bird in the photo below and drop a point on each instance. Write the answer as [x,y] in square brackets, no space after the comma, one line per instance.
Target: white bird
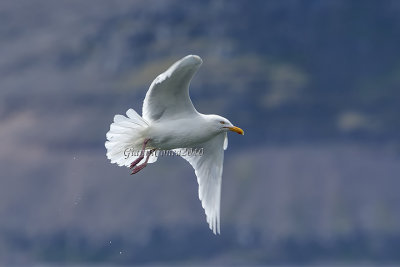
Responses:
[170,122]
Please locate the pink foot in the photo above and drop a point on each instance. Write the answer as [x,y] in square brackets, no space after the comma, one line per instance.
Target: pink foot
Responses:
[141,166]
[136,161]
[138,168]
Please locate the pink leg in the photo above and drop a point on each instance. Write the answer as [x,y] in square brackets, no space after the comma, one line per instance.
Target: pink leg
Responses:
[136,161]
[141,166]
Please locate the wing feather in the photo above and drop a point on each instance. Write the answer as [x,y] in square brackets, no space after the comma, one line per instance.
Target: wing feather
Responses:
[208,169]
[168,95]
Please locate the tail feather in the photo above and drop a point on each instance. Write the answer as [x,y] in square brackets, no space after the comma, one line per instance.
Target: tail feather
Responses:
[126,136]
[136,117]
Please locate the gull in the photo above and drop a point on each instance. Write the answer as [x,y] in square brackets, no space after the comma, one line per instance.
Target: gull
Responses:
[170,122]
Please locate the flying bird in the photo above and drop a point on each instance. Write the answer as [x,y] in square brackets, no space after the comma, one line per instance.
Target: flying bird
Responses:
[170,122]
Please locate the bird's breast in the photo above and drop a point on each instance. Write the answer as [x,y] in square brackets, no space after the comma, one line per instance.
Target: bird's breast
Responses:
[178,134]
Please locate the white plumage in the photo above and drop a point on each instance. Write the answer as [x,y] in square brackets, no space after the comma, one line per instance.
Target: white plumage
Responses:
[170,122]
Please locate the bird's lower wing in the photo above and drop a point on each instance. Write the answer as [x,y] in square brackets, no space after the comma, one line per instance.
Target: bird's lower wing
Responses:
[208,167]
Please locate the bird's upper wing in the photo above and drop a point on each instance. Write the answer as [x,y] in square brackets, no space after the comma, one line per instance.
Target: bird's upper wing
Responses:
[208,168]
[168,95]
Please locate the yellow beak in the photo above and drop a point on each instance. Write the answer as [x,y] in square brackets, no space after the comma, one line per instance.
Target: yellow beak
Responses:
[236,130]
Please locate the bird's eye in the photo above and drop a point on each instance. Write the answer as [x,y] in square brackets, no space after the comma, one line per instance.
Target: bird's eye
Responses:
[222,122]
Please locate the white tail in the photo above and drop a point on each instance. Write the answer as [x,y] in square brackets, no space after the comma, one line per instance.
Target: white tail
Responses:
[125,138]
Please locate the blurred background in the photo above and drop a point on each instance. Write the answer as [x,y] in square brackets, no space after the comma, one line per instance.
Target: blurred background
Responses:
[314,84]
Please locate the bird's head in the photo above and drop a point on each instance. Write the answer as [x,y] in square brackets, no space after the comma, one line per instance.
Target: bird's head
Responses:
[224,125]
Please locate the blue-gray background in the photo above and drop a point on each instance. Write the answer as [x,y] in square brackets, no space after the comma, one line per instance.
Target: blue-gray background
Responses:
[314,84]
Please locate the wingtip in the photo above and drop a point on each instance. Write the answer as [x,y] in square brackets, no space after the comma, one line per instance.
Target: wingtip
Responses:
[194,59]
